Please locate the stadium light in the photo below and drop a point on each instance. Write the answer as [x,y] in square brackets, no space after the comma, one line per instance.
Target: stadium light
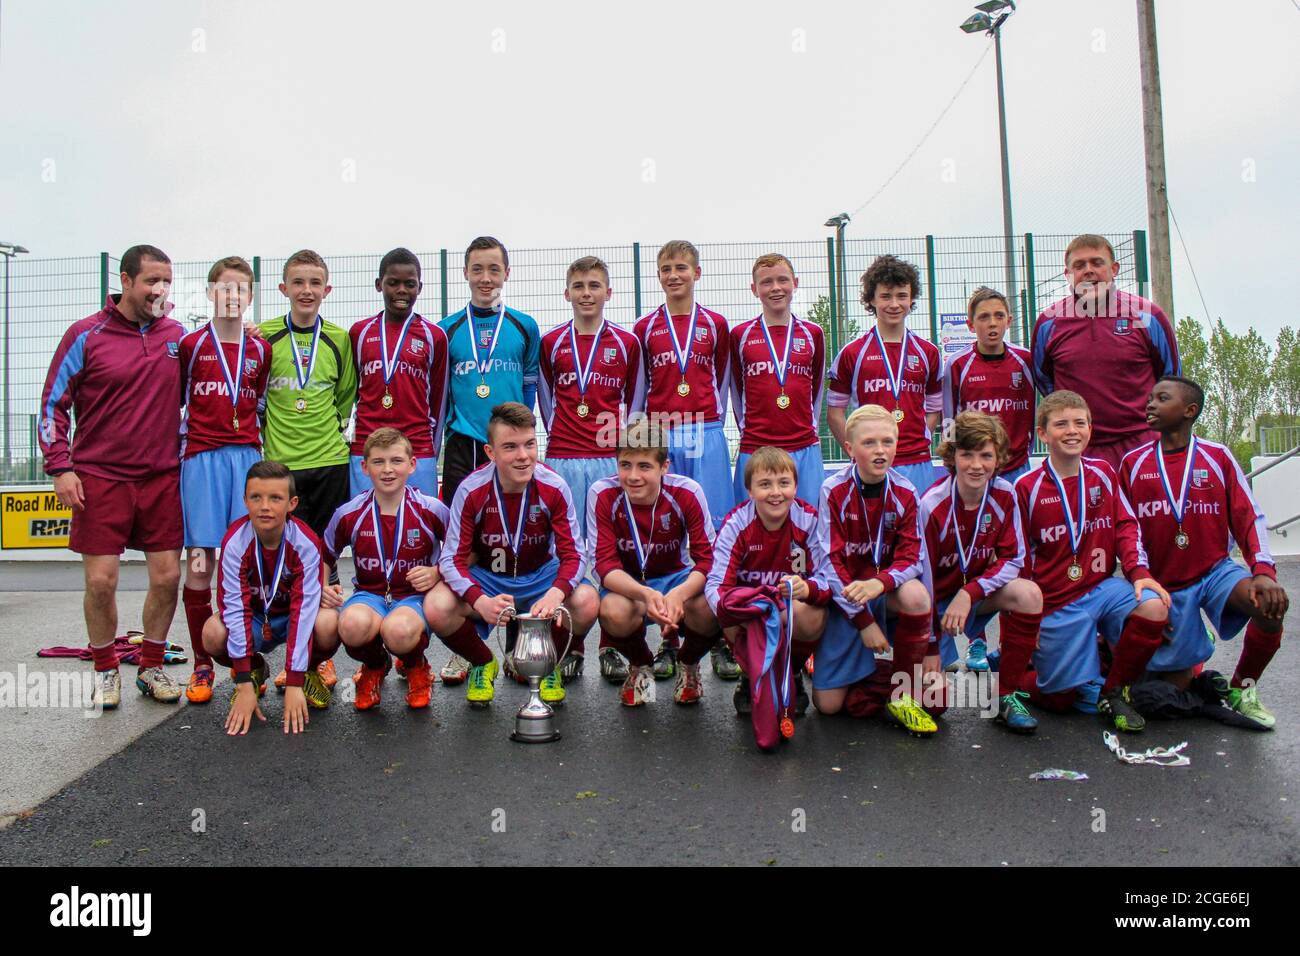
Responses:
[838,223]
[982,21]
[8,250]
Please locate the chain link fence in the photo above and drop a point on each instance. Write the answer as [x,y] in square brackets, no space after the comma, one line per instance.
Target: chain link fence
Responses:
[42,297]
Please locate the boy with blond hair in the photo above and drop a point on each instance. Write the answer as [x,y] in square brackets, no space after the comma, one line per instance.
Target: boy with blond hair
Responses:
[869,525]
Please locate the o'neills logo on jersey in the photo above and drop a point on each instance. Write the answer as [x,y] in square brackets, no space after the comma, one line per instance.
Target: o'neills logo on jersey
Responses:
[1058,532]
[77,909]
[1154,509]
[994,405]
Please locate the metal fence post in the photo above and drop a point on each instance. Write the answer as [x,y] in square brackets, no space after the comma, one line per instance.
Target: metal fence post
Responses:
[103,278]
[1031,286]
[442,271]
[1140,266]
[929,284]
[835,295]
[257,290]
[636,278]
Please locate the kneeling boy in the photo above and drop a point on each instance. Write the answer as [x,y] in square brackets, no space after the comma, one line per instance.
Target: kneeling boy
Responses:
[1190,496]
[396,535]
[643,523]
[1078,523]
[869,525]
[512,543]
[771,539]
[269,586]
[976,549]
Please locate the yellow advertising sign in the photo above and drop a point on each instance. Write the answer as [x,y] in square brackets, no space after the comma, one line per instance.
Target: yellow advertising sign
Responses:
[33,519]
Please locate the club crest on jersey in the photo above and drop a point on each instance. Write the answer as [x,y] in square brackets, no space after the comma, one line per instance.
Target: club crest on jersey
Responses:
[799,344]
[914,361]
[534,511]
[986,523]
[412,537]
[485,337]
[1094,496]
[665,521]
[701,335]
[1017,378]
[417,346]
[1200,477]
[609,355]
[1123,326]
[891,519]
[250,366]
[174,349]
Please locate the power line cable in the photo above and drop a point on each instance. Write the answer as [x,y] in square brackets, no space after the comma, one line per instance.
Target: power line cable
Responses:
[1188,255]
[933,126]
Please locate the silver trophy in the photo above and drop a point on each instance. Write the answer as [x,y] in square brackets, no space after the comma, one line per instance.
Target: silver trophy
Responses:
[534,658]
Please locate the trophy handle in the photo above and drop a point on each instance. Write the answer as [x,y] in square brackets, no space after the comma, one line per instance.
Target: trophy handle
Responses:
[561,609]
[506,613]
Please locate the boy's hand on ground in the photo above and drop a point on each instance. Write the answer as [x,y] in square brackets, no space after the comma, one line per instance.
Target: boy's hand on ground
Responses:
[242,708]
[295,710]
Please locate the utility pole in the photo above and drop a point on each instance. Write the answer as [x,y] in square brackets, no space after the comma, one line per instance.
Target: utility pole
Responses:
[1153,137]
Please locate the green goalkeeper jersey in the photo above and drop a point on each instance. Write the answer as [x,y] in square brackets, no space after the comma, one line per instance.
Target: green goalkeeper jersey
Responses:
[304,426]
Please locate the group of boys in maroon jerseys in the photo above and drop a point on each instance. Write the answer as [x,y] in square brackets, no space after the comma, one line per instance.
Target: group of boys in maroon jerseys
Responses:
[635,519]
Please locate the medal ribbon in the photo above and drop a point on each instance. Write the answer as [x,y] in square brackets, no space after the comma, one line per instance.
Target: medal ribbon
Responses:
[389,562]
[1179,504]
[642,552]
[683,357]
[780,365]
[895,379]
[261,577]
[391,366]
[303,380]
[517,536]
[584,375]
[866,518]
[232,381]
[485,364]
[964,553]
[1076,533]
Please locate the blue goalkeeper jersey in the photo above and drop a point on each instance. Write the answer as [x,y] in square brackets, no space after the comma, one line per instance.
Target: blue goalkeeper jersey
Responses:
[510,377]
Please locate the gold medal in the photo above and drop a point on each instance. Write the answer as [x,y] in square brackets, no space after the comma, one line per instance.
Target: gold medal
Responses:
[783,400]
[683,388]
[787,725]
[300,405]
[234,423]
[387,400]
[1181,539]
[482,391]
[899,415]
[1075,572]
[583,410]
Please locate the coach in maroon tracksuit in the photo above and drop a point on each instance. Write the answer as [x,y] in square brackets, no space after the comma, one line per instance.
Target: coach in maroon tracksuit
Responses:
[118,373]
[1109,346]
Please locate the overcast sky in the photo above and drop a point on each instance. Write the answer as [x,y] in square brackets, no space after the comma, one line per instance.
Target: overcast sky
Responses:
[262,127]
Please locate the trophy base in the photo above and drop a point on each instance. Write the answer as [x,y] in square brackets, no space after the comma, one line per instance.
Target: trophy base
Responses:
[519,738]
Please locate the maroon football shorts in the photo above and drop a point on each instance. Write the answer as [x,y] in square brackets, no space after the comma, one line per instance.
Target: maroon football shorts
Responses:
[144,515]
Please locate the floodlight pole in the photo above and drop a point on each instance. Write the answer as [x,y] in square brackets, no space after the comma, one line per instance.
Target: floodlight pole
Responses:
[1013,296]
[1153,137]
